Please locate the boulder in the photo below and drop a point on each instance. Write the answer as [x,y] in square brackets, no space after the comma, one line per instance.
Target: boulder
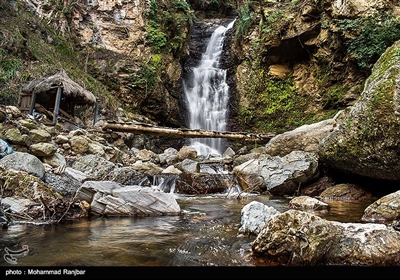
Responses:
[23,162]
[366,141]
[113,199]
[304,138]
[277,175]
[254,216]
[299,238]
[384,210]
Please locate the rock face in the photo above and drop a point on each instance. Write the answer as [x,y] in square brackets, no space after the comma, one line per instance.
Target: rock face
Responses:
[366,142]
[299,49]
[125,41]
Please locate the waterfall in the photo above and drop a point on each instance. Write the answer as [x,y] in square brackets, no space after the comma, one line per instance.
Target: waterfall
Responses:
[206,93]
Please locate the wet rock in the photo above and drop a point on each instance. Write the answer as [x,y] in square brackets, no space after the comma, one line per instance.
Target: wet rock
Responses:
[187,152]
[307,203]
[254,216]
[277,175]
[384,210]
[301,238]
[229,153]
[316,188]
[169,156]
[345,192]
[188,165]
[295,238]
[202,183]
[112,199]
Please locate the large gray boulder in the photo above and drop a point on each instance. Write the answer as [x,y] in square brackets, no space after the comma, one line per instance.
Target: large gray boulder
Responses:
[23,162]
[366,142]
[304,138]
[108,198]
[277,175]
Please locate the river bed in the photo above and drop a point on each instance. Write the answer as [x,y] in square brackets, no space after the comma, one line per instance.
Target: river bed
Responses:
[205,234]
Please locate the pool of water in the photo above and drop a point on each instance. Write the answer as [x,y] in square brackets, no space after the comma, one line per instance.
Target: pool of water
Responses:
[205,234]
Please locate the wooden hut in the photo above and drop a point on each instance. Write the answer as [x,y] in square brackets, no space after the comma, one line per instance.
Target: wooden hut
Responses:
[56,95]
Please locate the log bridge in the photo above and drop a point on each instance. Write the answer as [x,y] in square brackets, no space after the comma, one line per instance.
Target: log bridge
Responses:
[148,129]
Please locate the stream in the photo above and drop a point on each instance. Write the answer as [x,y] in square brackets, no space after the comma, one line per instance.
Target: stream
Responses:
[205,234]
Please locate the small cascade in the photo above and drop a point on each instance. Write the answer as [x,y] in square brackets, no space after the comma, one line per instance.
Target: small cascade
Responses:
[166,183]
[206,93]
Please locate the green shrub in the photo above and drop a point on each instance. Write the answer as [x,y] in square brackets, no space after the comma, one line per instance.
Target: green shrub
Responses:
[370,37]
[245,20]
[167,25]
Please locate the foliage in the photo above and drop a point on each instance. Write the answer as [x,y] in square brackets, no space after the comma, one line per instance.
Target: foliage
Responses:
[8,67]
[370,37]
[9,77]
[270,25]
[147,76]
[167,26]
[245,20]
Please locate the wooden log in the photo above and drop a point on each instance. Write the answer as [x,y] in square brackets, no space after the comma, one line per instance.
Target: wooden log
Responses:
[139,128]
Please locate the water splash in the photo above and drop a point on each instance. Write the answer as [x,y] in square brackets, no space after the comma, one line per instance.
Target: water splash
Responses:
[207,96]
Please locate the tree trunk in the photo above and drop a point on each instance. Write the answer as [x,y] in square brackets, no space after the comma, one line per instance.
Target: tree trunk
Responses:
[140,128]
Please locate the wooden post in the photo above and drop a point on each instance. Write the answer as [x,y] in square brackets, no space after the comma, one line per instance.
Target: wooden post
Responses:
[96,112]
[57,105]
[33,101]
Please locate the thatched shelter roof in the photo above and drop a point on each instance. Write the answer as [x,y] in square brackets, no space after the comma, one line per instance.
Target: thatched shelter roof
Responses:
[70,88]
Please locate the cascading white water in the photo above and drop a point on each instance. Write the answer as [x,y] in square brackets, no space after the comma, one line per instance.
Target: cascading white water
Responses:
[207,96]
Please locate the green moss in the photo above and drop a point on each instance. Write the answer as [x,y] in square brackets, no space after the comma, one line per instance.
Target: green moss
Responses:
[147,76]
[333,97]
[276,105]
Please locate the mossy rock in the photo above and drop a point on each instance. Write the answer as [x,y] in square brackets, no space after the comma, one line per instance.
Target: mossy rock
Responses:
[367,141]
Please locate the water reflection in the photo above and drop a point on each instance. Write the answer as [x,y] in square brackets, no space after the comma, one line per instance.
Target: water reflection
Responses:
[205,234]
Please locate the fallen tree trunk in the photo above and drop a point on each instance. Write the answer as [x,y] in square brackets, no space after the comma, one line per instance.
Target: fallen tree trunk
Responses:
[140,128]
